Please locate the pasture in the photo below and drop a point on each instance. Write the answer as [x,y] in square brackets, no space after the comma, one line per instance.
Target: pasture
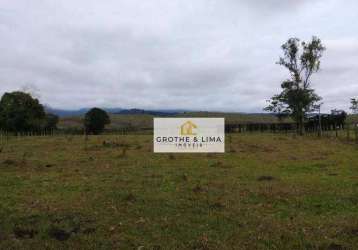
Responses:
[142,121]
[111,192]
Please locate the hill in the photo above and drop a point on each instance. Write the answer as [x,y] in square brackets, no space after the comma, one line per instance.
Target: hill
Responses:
[76,112]
[121,111]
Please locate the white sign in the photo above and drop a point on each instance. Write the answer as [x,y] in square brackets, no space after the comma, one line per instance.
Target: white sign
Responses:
[189,135]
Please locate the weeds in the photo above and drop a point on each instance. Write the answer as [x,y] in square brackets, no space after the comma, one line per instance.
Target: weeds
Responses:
[215,164]
[271,195]
[123,152]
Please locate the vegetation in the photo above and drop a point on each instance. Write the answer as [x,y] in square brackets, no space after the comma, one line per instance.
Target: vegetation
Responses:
[297,97]
[145,121]
[353,119]
[354,107]
[267,192]
[20,112]
[95,121]
[51,121]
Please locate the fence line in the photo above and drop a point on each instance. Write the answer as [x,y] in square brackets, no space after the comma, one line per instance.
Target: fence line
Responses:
[349,131]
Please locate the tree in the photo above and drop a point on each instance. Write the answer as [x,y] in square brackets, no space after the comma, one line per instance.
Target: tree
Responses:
[278,108]
[95,121]
[297,97]
[51,121]
[19,112]
[354,107]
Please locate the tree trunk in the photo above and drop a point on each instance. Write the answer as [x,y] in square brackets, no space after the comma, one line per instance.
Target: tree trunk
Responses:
[301,125]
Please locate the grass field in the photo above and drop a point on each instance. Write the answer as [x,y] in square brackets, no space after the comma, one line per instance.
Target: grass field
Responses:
[140,121]
[145,121]
[266,192]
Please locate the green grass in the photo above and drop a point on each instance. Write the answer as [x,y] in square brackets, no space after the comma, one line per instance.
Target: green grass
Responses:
[267,192]
[353,118]
[140,121]
[145,121]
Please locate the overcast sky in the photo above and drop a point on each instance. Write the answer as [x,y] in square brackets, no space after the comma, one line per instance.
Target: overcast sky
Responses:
[164,54]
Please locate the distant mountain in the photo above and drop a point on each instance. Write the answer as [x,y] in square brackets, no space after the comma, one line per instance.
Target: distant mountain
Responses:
[135,111]
[119,111]
[77,112]
[147,112]
[156,112]
[65,113]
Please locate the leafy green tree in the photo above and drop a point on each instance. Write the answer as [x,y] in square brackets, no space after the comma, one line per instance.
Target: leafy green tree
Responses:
[19,112]
[297,97]
[278,108]
[354,107]
[95,121]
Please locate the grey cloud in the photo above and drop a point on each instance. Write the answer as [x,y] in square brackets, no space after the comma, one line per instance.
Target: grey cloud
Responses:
[208,55]
[276,4]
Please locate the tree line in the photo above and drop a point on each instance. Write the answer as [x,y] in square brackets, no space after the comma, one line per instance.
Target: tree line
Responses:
[22,113]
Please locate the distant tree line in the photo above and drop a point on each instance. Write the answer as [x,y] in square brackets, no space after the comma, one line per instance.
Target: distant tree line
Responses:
[333,121]
[325,122]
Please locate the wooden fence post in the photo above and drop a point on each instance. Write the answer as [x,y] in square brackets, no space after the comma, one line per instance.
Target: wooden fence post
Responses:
[347,128]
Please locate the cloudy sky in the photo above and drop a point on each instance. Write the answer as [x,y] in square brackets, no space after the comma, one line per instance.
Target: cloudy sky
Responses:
[187,54]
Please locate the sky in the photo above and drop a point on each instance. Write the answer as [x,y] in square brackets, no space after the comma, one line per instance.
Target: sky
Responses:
[217,55]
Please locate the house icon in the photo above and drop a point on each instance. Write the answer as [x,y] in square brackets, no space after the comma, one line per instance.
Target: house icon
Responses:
[187,128]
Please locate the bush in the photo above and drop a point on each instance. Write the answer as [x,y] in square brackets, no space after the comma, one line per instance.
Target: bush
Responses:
[95,121]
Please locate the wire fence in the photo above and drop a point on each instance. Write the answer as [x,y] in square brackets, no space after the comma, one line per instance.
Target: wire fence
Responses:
[348,131]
